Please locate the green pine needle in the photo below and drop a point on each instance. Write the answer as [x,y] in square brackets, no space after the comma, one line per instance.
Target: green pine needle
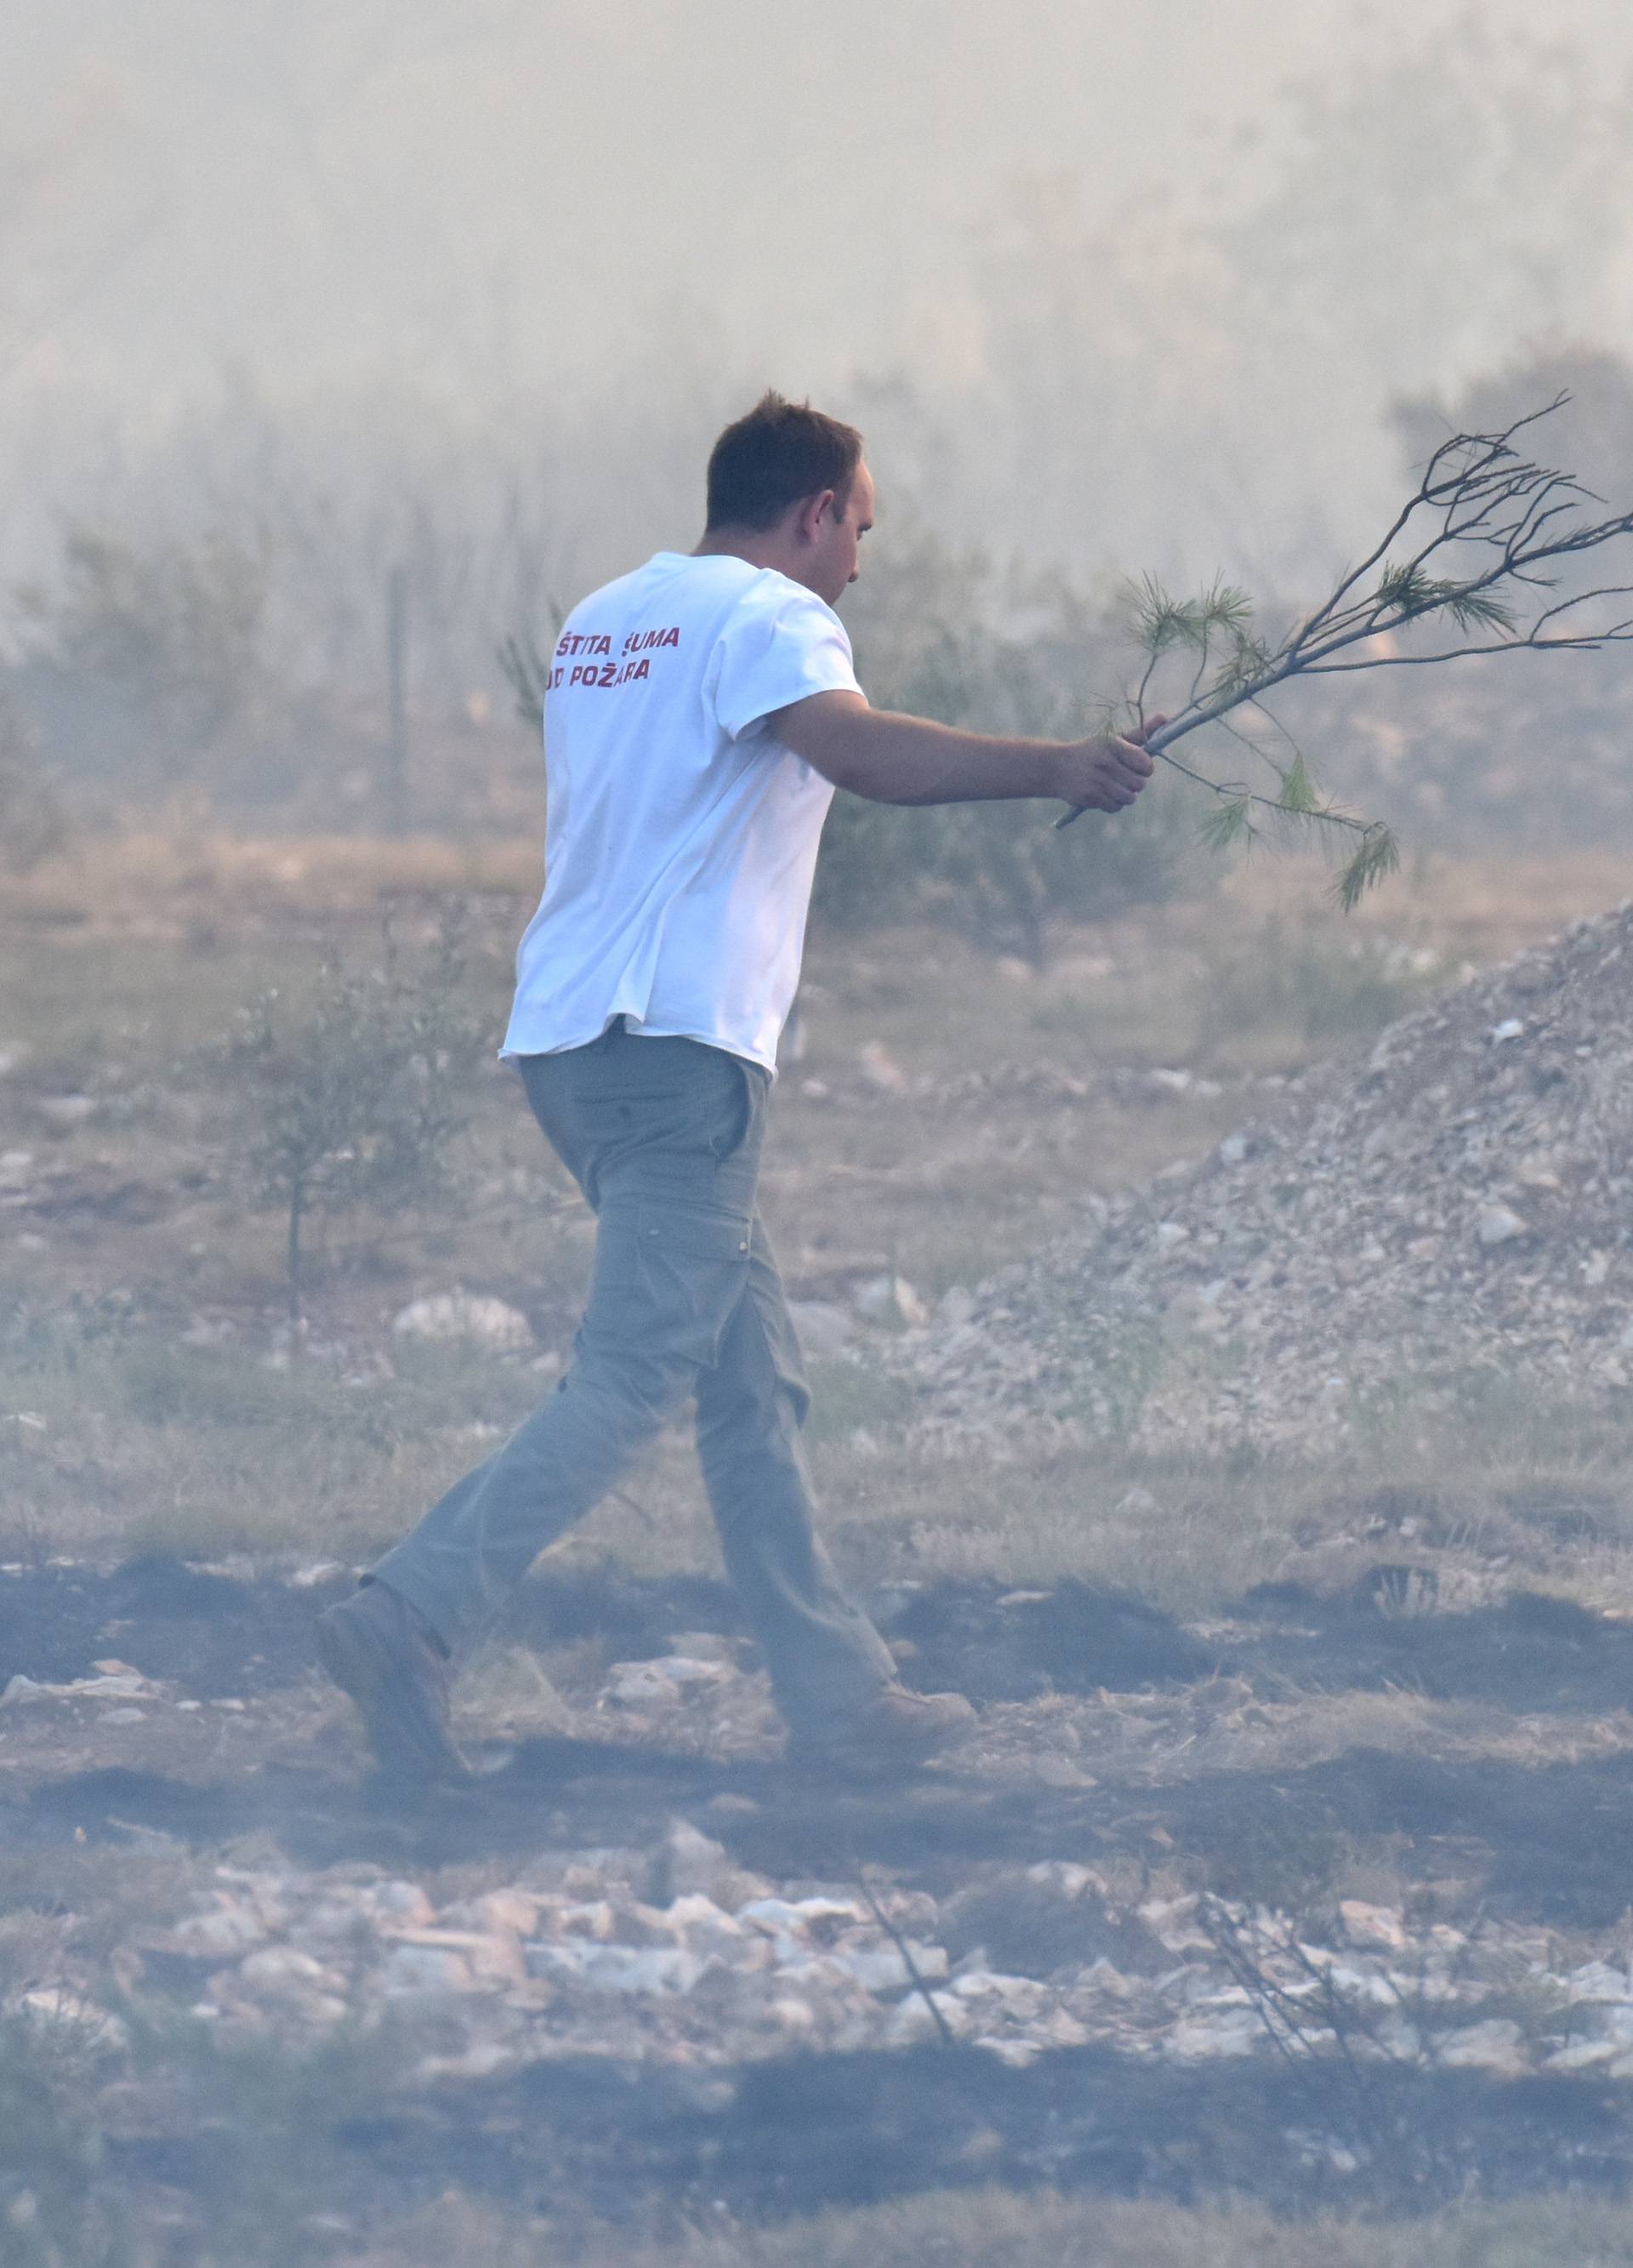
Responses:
[1299,796]
[1410,593]
[1379,855]
[1227,607]
[1230,822]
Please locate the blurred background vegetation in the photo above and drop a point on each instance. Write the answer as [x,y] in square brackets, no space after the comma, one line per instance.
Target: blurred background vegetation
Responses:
[279,668]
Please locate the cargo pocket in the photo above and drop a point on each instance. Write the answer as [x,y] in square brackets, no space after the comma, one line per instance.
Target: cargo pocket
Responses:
[668,1276]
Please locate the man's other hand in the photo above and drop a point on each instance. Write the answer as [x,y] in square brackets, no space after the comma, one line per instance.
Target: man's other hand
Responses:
[1107,773]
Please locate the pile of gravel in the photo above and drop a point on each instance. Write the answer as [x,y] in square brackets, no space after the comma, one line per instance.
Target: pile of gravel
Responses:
[1448,1214]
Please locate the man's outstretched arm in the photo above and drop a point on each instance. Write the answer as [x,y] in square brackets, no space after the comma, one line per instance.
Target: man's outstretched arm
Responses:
[891,759]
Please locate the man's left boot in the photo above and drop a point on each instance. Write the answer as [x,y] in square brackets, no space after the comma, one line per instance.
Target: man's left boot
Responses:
[385,1655]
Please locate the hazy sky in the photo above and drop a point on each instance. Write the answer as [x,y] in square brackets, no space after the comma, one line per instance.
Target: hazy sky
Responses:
[474,188]
[1150,303]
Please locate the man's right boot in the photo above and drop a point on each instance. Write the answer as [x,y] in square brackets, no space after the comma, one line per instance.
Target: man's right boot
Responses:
[385,1655]
[896,1727]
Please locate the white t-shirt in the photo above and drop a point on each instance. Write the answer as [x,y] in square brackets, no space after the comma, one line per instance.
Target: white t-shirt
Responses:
[681,839]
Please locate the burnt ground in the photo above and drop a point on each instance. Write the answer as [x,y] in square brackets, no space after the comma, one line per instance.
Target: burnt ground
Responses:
[1552,1843]
[613,2142]
[1533,1835]
[1551,1838]
[216,1634]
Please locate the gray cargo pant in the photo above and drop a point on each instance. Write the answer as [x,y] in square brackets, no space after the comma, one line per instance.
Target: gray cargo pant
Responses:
[664,1137]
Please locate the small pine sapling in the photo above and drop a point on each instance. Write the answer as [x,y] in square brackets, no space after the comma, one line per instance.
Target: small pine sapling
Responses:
[357,1102]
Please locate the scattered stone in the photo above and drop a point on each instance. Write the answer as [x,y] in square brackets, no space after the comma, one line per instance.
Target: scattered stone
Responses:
[912,2021]
[484,1321]
[890,1300]
[493,1956]
[403,1905]
[616,1967]
[54,2008]
[1581,2055]
[884,1968]
[483,2059]
[1343,1245]
[880,1068]
[321,1571]
[663,1682]
[618,1952]
[1232,2032]
[824,1330]
[66,1112]
[116,1681]
[1597,1980]
[416,1971]
[691,1865]
[515,1911]
[1494,2045]
[1379,1929]
[223,1929]
[280,1969]
[1498,1224]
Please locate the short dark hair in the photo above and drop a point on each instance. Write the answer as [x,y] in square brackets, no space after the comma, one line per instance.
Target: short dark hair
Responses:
[780,451]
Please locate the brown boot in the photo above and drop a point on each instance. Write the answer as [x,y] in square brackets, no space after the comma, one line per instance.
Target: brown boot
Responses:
[384,1653]
[897,1727]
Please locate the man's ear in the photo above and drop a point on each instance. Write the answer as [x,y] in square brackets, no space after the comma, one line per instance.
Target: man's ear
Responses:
[816,510]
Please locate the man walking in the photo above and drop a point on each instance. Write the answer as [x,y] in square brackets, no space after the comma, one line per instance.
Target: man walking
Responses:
[698,715]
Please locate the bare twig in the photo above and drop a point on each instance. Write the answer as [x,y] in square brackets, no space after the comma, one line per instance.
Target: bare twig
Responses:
[914,1976]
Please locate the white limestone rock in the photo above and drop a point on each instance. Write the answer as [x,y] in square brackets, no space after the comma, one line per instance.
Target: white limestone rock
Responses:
[1499,1223]
[824,1331]
[475,1317]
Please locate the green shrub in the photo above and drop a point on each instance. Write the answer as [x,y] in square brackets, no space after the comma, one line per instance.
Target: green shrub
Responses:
[142,658]
[359,1101]
[31,821]
[1314,987]
[938,636]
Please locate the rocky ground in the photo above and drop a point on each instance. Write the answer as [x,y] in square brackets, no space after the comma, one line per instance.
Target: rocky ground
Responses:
[1444,1213]
[1289,1861]
[1209,1876]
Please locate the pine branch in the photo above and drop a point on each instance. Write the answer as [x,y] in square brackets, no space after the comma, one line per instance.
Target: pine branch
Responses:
[1477,547]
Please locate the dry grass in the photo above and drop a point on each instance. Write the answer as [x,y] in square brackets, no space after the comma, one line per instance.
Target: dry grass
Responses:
[114,1439]
[989,2229]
